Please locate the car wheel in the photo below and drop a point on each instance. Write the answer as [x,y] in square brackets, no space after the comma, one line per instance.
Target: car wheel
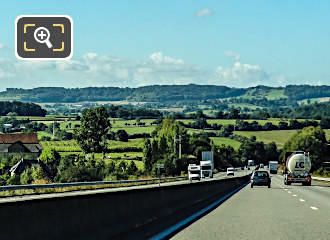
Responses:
[251,185]
[268,185]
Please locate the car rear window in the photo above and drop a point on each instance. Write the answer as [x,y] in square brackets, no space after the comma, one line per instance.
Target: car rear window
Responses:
[261,174]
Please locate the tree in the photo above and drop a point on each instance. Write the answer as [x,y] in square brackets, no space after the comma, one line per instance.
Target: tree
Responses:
[312,140]
[92,134]
[122,166]
[325,123]
[51,158]
[26,177]
[122,135]
[147,153]
[132,168]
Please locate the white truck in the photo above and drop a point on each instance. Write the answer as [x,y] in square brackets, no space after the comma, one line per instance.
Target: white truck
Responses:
[297,167]
[207,164]
[250,162]
[273,165]
[194,172]
[206,169]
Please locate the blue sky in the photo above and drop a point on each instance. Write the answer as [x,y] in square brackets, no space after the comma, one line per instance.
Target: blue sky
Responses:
[134,43]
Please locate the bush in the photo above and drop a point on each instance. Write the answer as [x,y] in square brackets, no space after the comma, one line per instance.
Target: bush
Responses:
[122,135]
[45,138]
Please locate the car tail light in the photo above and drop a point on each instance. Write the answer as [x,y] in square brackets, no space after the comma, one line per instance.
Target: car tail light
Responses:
[308,179]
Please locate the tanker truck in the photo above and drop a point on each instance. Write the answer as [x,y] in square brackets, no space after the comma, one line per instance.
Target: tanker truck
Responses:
[297,167]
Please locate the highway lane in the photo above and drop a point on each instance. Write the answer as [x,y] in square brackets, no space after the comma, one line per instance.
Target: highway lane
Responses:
[318,194]
[281,212]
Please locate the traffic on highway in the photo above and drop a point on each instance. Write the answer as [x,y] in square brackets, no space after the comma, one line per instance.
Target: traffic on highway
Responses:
[281,212]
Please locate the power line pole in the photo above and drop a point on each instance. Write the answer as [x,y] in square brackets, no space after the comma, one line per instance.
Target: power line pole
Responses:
[53,129]
[180,146]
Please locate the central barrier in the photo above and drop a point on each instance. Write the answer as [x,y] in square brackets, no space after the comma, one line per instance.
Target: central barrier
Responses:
[131,214]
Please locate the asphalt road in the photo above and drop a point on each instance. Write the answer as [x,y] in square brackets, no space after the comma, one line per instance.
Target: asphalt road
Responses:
[281,212]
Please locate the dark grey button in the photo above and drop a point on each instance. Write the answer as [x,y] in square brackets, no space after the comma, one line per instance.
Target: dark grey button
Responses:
[44,37]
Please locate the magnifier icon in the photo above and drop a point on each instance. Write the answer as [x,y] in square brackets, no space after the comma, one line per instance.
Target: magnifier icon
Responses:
[42,35]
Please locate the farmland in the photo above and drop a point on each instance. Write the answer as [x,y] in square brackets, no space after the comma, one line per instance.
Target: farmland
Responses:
[277,136]
[226,141]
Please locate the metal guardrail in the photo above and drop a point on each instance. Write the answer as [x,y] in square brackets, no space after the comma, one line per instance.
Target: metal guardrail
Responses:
[321,179]
[75,184]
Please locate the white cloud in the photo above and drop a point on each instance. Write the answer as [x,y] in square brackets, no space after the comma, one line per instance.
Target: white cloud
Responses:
[240,75]
[232,54]
[158,58]
[99,70]
[204,12]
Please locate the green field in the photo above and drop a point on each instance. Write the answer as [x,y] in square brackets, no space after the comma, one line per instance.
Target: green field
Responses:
[271,94]
[226,141]
[277,136]
[72,145]
[244,105]
[223,122]
[135,130]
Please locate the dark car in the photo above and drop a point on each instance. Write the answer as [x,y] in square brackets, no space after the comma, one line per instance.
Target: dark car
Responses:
[260,178]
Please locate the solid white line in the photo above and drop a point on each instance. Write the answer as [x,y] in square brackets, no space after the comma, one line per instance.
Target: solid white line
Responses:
[301,200]
[294,195]
[182,223]
[314,208]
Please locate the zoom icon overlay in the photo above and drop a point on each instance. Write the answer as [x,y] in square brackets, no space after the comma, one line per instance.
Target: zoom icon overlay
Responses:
[44,37]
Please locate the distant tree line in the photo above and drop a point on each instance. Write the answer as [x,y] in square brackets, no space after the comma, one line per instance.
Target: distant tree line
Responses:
[21,109]
[164,93]
[116,111]
[311,111]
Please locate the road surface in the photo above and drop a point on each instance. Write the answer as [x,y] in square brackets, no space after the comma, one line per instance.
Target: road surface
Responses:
[281,212]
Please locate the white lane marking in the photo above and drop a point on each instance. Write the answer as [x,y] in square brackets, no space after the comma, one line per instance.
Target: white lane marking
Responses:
[314,208]
[289,192]
[301,200]
[285,189]
[294,195]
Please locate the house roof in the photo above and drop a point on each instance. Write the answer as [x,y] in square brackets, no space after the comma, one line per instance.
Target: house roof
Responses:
[25,138]
[32,147]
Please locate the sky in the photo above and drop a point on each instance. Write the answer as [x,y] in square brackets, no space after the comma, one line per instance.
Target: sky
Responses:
[131,43]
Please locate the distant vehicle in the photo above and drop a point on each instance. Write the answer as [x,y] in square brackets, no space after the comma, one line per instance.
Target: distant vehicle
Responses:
[273,165]
[260,178]
[230,171]
[194,172]
[250,162]
[207,164]
[297,167]
[206,169]
[261,165]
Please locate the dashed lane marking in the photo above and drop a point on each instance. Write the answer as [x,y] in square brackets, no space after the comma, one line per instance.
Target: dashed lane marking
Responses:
[314,208]
[294,195]
[289,192]
[301,200]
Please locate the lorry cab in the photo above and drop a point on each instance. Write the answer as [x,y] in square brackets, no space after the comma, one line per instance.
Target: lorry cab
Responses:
[206,169]
[194,172]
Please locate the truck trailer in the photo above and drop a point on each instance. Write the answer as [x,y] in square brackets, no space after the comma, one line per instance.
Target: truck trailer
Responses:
[273,165]
[297,167]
